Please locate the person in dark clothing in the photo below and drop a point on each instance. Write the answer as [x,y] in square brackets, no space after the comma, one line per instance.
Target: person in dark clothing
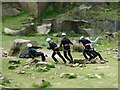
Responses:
[89,50]
[55,49]
[33,53]
[66,43]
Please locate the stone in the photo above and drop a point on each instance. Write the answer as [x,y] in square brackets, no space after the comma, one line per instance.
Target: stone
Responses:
[47,64]
[42,69]
[68,75]
[30,29]
[55,34]
[42,84]
[4,54]
[44,29]
[90,31]
[4,80]
[19,46]
[11,67]
[26,67]
[10,11]
[14,61]
[74,65]
[30,61]
[52,77]
[80,61]
[102,62]
[93,61]
[20,72]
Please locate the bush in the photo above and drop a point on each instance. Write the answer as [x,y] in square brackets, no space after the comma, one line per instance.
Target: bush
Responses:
[77,47]
[42,84]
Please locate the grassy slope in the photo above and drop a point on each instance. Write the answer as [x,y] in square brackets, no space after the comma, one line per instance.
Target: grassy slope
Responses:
[110,73]
[14,22]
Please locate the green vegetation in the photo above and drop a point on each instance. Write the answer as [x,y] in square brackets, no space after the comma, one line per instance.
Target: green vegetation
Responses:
[15,22]
[110,69]
[52,13]
[91,76]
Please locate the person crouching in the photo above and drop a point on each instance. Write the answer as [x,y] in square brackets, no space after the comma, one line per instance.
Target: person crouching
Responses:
[33,53]
[56,50]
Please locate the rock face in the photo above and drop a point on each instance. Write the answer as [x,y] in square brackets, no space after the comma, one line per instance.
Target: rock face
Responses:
[36,8]
[10,11]
[44,29]
[91,31]
[24,31]
[19,46]
[59,25]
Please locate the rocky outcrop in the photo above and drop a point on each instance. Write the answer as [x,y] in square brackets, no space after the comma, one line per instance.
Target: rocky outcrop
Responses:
[44,29]
[24,31]
[19,46]
[10,11]
[73,25]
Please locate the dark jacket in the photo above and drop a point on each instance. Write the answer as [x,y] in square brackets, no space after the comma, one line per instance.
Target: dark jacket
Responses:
[53,46]
[32,51]
[66,43]
[84,41]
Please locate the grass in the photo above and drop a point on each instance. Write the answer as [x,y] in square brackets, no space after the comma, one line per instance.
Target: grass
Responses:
[110,72]
[109,80]
[14,22]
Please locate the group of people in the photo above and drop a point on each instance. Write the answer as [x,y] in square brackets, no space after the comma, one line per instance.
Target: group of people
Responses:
[88,52]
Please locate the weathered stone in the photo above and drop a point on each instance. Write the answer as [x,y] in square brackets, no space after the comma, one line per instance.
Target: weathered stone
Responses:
[14,61]
[47,64]
[68,75]
[42,69]
[74,65]
[55,35]
[44,29]
[80,61]
[30,29]
[91,31]
[11,67]
[4,80]
[4,54]
[30,61]
[93,61]
[42,84]
[52,77]
[20,71]
[10,11]
[19,46]
[26,67]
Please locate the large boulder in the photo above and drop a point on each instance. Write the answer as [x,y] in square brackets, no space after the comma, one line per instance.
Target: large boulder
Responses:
[62,25]
[44,29]
[10,11]
[19,46]
[77,47]
[24,31]
[91,31]
[68,75]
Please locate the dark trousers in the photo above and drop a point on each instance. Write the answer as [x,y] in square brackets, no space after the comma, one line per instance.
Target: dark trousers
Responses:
[36,54]
[59,54]
[92,54]
[70,58]
[95,54]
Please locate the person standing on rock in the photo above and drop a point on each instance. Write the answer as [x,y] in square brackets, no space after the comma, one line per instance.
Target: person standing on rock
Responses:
[33,53]
[66,43]
[56,50]
[89,50]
